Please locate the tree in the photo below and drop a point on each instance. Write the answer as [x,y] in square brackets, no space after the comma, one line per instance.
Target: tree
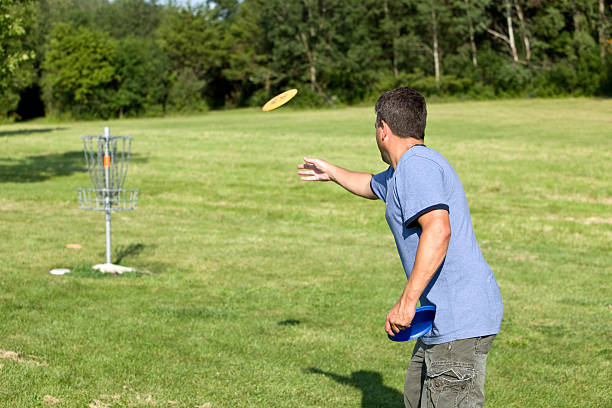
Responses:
[191,38]
[247,54]
[17,54]
[80,13]
[523,29]
[465,27]
[78,71]
[508,37]
[239,52]
[310,42]
[142,76]
[335,48]
[12,32]
[471,18]
[392,30]
[434,15]
[130,18]
[602,30]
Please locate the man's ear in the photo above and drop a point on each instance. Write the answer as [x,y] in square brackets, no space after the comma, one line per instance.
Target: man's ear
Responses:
[386,130]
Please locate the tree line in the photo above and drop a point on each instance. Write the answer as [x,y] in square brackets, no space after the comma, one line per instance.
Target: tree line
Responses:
[102,58]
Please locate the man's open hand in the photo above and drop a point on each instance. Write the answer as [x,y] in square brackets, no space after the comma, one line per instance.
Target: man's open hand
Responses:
[315,170]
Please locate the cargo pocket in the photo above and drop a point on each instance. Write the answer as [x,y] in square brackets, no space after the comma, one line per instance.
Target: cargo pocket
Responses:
[483,345]
[450,384]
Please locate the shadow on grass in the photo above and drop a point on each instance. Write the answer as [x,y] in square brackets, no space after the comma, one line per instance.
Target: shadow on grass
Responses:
[373,392]
[129,250]
[39,168]
[42,167]
[289,322]
[21,132]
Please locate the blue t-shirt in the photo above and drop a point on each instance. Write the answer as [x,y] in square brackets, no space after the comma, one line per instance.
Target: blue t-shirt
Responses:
[464,290]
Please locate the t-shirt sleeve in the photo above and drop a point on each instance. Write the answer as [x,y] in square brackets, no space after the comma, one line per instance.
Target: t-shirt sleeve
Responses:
[420,189]
[379,183]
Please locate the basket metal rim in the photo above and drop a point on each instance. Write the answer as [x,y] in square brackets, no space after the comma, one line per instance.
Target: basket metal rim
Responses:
[116,204]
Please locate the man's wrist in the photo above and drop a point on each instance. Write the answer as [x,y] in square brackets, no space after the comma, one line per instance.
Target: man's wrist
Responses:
[332,173]
[409,302]
[411,296]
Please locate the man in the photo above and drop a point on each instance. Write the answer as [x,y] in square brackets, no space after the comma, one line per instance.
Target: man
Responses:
[428,214]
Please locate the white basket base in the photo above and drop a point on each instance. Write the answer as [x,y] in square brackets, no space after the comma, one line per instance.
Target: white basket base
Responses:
[112,268]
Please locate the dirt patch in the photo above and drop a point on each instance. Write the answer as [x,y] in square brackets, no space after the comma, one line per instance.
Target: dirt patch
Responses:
[98,404]
[51,400]
[581,199]
[17,357]
[598,220]
[586,221]
[131,398]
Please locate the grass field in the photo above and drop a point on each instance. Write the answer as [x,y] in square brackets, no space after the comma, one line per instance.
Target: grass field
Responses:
[258,290]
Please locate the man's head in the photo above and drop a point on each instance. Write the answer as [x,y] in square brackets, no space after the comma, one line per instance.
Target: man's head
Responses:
[405,112]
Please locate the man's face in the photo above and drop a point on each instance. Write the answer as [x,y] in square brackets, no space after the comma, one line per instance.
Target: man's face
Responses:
[384,154]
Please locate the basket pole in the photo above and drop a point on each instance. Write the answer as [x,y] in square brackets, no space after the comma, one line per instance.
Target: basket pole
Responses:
[107,203]
[107,167]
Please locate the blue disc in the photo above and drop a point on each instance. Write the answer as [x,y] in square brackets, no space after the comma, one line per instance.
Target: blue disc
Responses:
[421,324]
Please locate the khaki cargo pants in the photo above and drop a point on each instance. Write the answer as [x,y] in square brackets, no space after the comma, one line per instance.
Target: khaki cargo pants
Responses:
[447,375]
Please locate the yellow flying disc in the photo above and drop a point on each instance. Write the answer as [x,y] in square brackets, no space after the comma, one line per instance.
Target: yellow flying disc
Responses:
[279,100]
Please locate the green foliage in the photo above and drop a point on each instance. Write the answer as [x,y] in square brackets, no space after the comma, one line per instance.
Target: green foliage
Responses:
[246,62]
[16,57]
[259,97]
[130,18]
[142,70]
[78,71]
[190,39]
[426,84]
[512,78]
[320,44]
[551,22]
[8,101]
[232,53]
[186,93]
[583,56]
[12,32]
[307,98]
[606,74]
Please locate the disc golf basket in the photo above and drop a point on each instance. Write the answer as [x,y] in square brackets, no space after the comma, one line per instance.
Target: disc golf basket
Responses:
[107,159]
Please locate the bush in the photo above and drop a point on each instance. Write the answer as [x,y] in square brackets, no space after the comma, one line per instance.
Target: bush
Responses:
[512,78]
[143,71]
[258,98]
[449,84]
[479,90]
[307,98]
[186,93]
[78,71]
[9,100]
[605,85]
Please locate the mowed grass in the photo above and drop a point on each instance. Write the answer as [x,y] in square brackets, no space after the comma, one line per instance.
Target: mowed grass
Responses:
[258,290]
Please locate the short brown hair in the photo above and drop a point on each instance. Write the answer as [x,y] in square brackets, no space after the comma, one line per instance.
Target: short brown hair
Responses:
[404,110]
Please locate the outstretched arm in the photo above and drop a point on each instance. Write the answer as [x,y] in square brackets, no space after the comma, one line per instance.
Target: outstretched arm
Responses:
[320,170]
